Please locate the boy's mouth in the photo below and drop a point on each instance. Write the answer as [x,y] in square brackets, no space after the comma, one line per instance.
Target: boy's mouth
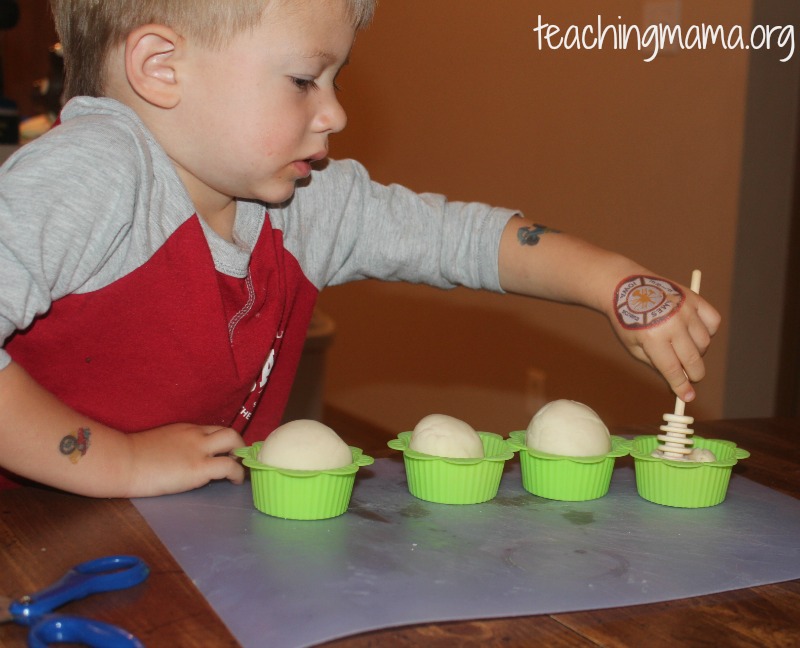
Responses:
[318,156]
[303,167]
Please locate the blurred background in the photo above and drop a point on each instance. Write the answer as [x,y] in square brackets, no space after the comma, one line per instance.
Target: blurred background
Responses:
[688,161]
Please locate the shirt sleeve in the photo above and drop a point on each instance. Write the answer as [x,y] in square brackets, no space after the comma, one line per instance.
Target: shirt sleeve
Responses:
[344,227]
[60,222]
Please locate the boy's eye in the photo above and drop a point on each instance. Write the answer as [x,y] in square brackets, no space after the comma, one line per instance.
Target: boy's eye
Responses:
[304,84]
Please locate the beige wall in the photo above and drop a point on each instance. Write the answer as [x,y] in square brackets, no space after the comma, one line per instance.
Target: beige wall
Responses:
[453,96]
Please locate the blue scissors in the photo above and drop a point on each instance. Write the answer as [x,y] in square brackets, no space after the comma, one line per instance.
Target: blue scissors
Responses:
[91,577]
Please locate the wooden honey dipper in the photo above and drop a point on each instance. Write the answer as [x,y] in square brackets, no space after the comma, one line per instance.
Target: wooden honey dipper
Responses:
[677,442]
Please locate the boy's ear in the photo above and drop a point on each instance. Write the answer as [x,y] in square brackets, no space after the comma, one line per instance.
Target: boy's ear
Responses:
[150,64]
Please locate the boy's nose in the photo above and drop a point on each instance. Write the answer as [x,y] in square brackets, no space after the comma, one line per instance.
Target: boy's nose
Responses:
[331,116]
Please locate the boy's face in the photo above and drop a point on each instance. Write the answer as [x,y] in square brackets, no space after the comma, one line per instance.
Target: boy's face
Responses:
[261,109]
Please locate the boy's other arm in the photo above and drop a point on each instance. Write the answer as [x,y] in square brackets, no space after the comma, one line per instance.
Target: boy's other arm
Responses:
[538,262]
[43,439]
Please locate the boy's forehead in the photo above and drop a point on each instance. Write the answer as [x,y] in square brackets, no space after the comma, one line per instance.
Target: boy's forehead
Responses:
[325,55]
[308,9]
[314,27]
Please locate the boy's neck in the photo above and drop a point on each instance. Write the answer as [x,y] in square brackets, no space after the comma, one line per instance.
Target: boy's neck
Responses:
[222,222]
[216,209]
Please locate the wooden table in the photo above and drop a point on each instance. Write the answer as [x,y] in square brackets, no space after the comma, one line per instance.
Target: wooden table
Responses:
[43,532]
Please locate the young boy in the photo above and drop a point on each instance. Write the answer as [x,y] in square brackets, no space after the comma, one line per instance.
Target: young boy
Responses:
[162,247]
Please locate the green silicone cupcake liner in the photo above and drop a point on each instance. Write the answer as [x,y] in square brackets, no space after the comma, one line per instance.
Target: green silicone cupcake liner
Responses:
[454,481]
[301,494]
[571,479]
[685,484]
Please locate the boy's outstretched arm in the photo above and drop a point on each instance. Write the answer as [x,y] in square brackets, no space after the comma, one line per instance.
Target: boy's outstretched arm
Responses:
[659,321]
[46,441]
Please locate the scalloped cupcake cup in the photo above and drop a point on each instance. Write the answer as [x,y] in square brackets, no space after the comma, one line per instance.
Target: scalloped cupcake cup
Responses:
[570,479]
[445,480]
[301,494]
[685,484]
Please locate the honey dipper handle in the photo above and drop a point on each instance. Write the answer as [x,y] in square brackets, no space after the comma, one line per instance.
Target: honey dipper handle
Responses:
[694,286]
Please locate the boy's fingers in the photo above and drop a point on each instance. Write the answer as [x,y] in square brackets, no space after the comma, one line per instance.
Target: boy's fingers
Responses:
[690,358]
[222,440]
[224,467]
[665,359]
[213,429]
[700,336]
[710,317]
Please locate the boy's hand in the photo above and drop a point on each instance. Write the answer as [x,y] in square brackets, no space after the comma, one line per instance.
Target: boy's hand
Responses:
[667,326]
[660,322]
[168,459]
[179,457]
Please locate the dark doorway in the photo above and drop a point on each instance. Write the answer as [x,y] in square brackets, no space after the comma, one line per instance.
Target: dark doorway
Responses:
[788,395]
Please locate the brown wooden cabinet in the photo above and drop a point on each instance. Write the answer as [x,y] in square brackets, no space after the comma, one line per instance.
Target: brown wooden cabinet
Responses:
[25,53]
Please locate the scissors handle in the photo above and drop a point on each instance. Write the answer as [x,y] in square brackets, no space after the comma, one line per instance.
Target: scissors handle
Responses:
[61,628]
[99,575]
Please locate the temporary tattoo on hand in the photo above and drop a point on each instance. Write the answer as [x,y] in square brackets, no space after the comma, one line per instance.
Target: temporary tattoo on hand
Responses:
[531,235]
[644,302]
[75,445]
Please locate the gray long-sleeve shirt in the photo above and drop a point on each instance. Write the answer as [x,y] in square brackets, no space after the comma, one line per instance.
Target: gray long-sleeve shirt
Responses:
[90,204]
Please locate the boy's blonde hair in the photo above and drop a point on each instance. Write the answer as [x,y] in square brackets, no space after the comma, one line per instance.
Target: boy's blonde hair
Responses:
[89,29]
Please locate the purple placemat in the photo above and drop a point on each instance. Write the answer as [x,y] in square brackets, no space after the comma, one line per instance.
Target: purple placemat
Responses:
[394,560]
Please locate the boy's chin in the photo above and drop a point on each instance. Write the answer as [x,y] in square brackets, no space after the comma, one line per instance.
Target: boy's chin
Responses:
[276,196]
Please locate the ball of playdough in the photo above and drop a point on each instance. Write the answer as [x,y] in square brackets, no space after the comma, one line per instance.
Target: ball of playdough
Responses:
[702,455]
[445,436]
[566,427]
[305,445]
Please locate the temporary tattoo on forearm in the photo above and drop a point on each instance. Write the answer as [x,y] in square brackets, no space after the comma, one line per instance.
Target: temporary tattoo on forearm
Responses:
[531,235]
[644,302]
[75,445]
